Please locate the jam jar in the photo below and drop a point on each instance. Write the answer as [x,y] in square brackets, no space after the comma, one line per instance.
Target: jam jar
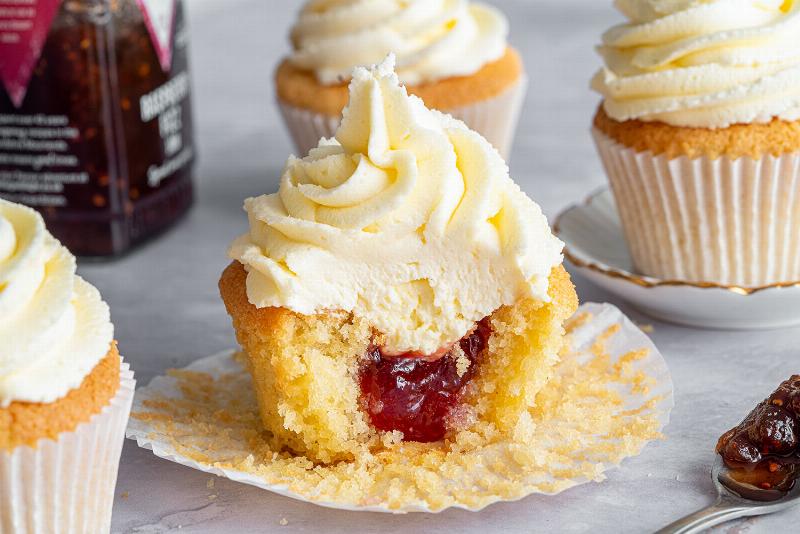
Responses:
[95,117]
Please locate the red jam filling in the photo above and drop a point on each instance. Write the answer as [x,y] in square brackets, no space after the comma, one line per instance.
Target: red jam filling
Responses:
[415,394]
[764,450]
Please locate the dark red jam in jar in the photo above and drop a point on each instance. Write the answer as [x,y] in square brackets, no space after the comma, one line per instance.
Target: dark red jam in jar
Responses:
[416,395]
[95,117]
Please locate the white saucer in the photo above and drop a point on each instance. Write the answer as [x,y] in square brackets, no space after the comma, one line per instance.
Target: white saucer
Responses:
[595,245]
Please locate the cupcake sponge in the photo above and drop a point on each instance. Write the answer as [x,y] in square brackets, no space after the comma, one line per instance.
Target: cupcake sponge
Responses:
[305,368]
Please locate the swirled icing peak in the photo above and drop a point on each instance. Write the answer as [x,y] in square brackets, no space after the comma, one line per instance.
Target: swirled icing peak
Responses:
[54,328]
[407,218]
[433,39]
[703,63]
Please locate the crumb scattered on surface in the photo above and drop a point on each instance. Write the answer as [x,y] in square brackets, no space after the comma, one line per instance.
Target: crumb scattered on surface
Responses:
[124,495]
[283,522]
[647,328]
[212,497]
[210,483]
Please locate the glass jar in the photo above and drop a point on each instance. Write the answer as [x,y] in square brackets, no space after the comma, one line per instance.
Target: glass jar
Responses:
[95,117]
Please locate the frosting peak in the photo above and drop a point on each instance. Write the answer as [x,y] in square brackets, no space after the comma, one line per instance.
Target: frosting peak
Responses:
[433,39]
[703,63]
[54,328]
[407,218]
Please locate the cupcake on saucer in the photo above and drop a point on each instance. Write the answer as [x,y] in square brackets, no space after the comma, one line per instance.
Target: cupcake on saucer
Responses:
[65,394]
[699,132]
[398,287]
[453,54]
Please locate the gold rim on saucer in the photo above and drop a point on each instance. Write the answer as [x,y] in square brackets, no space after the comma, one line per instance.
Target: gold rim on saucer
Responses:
[647,281]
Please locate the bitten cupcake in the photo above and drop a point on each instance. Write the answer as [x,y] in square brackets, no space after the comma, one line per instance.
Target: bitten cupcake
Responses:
[65,395]
[398,286]
[699,132]
[451,53]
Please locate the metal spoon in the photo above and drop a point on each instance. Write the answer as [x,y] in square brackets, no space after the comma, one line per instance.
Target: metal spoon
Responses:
[731,505]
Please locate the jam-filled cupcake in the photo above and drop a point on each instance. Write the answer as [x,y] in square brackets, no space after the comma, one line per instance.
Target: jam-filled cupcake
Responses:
[398,286]
[699,132]
[453,54]
[65,395]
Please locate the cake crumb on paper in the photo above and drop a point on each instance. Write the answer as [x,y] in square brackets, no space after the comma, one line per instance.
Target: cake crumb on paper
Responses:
[602,398]
[124,495]
[210,483]
[283,522]
[647,328]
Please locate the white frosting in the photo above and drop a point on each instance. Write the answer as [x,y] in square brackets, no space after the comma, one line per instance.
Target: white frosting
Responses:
[407,218]
[54,328]
[703,63]
[432,39]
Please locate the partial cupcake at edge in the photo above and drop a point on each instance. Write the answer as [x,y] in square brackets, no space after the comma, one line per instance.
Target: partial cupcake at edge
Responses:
[453,54]
[65,395]
[699,132]
[398,287]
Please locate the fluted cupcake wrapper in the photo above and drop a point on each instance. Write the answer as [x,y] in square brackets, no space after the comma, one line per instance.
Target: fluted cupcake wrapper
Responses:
[495,118]
[500,472]
[726,221]
[67,485]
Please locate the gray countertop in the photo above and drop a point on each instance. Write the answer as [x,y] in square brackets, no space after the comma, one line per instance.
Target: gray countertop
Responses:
[167,311]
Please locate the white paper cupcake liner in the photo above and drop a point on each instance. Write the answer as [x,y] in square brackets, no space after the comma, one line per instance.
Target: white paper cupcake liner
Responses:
[496,119]
[67,485]
[725,221]
[492,475]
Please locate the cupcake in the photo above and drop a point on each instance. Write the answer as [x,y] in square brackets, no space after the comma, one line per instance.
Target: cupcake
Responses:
[398,286]
[65,394]
[699,132]
[451,53]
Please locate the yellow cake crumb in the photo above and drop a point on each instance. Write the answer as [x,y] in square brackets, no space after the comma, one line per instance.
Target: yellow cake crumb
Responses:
[305,368]
[462,361]
[578,426]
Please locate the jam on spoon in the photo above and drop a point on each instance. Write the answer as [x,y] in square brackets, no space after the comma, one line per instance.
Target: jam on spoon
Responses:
[416,394]
[762,452]
[757,464]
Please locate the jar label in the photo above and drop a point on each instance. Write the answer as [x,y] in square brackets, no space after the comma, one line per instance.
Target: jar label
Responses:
[159,17]
[24,25]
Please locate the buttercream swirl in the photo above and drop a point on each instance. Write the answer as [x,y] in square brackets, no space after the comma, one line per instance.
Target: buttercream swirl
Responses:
[54,328]
[407,218]
[703,63]
[432,39]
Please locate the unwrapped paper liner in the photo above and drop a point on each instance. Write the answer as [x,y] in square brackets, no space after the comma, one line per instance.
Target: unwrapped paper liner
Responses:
[67,485]
[601,337]
[725,221]
[495,118]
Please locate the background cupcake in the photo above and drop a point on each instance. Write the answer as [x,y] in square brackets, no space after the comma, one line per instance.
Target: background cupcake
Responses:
[699,135]
[65,395]
[451,53]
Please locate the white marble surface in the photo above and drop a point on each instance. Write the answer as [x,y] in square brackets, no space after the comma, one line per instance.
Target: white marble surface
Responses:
[167,312]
